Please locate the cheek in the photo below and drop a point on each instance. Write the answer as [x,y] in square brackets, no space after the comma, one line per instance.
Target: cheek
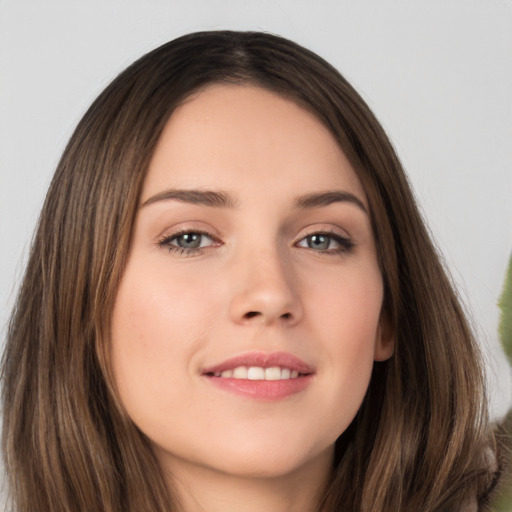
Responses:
[156,329]
[347,311]
[154,310]
[348,305]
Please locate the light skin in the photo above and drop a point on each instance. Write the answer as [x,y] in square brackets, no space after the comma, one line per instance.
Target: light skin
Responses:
[252,237]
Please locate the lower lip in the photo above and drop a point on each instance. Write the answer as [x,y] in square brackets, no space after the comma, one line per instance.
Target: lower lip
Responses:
[267,390]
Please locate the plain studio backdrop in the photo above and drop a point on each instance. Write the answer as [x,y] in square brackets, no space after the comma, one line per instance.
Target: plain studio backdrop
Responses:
[438,75]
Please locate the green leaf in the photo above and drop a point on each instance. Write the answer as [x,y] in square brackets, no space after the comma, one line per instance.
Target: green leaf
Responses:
[505,304]
[503,497]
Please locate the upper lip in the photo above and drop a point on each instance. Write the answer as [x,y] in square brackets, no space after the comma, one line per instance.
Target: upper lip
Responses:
[263,360]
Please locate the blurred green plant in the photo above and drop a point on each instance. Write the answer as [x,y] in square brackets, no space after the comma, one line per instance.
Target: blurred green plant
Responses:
[505,304]
[503,500]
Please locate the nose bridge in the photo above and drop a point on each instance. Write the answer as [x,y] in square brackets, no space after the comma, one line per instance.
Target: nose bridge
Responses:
[265,288]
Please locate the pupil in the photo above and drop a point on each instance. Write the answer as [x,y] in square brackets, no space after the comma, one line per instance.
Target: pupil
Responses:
[318,242]
[189,240]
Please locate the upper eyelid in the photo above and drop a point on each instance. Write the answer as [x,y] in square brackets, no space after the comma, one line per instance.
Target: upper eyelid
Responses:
[188,227]
[182,232]
[170,233]
[329,234]
[172,236]
[329,231]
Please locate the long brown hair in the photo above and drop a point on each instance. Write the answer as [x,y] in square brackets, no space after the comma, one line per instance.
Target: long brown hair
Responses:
[419,440]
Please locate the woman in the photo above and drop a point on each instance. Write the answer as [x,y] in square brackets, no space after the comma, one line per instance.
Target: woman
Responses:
[232,303]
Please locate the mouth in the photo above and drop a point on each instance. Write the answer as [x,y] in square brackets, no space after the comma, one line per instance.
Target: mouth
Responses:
[262,376]
[258,373]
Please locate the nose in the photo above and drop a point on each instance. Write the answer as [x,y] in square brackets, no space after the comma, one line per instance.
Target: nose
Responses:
[265,291]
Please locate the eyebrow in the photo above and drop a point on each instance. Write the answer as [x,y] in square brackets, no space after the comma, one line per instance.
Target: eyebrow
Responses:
[219,199]
[200,197]
[319,199]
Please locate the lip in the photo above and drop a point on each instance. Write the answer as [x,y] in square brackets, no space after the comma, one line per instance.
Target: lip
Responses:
[263,359]
[262,390]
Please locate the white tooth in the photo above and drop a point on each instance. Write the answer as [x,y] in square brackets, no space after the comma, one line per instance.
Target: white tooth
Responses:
[217,374]
[285,373]
[273,373]
[226,374]
[256,373]
[240,372]
[294,374]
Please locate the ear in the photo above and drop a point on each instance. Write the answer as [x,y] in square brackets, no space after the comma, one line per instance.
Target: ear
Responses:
[384,339]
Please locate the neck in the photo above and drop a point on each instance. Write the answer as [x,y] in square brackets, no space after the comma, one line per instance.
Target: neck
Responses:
[201,489]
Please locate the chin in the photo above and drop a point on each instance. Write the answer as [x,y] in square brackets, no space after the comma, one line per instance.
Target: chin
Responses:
[253,460]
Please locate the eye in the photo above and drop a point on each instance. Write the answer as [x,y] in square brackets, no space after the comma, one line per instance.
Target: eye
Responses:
[326,242]
[187,242]
[191,240]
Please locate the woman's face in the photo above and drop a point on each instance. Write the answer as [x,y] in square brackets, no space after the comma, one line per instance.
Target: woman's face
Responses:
[249,314]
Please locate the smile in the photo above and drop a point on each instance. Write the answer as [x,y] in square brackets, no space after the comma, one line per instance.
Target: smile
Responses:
[261,376]
[258,373]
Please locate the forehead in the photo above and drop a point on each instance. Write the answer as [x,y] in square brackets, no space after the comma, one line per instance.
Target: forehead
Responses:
[246,137]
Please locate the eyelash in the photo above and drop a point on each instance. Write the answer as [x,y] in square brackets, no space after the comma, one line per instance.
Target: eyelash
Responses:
[345,244]
[185,251]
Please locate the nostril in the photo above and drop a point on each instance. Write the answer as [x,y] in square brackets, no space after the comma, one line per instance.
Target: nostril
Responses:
[252,314]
